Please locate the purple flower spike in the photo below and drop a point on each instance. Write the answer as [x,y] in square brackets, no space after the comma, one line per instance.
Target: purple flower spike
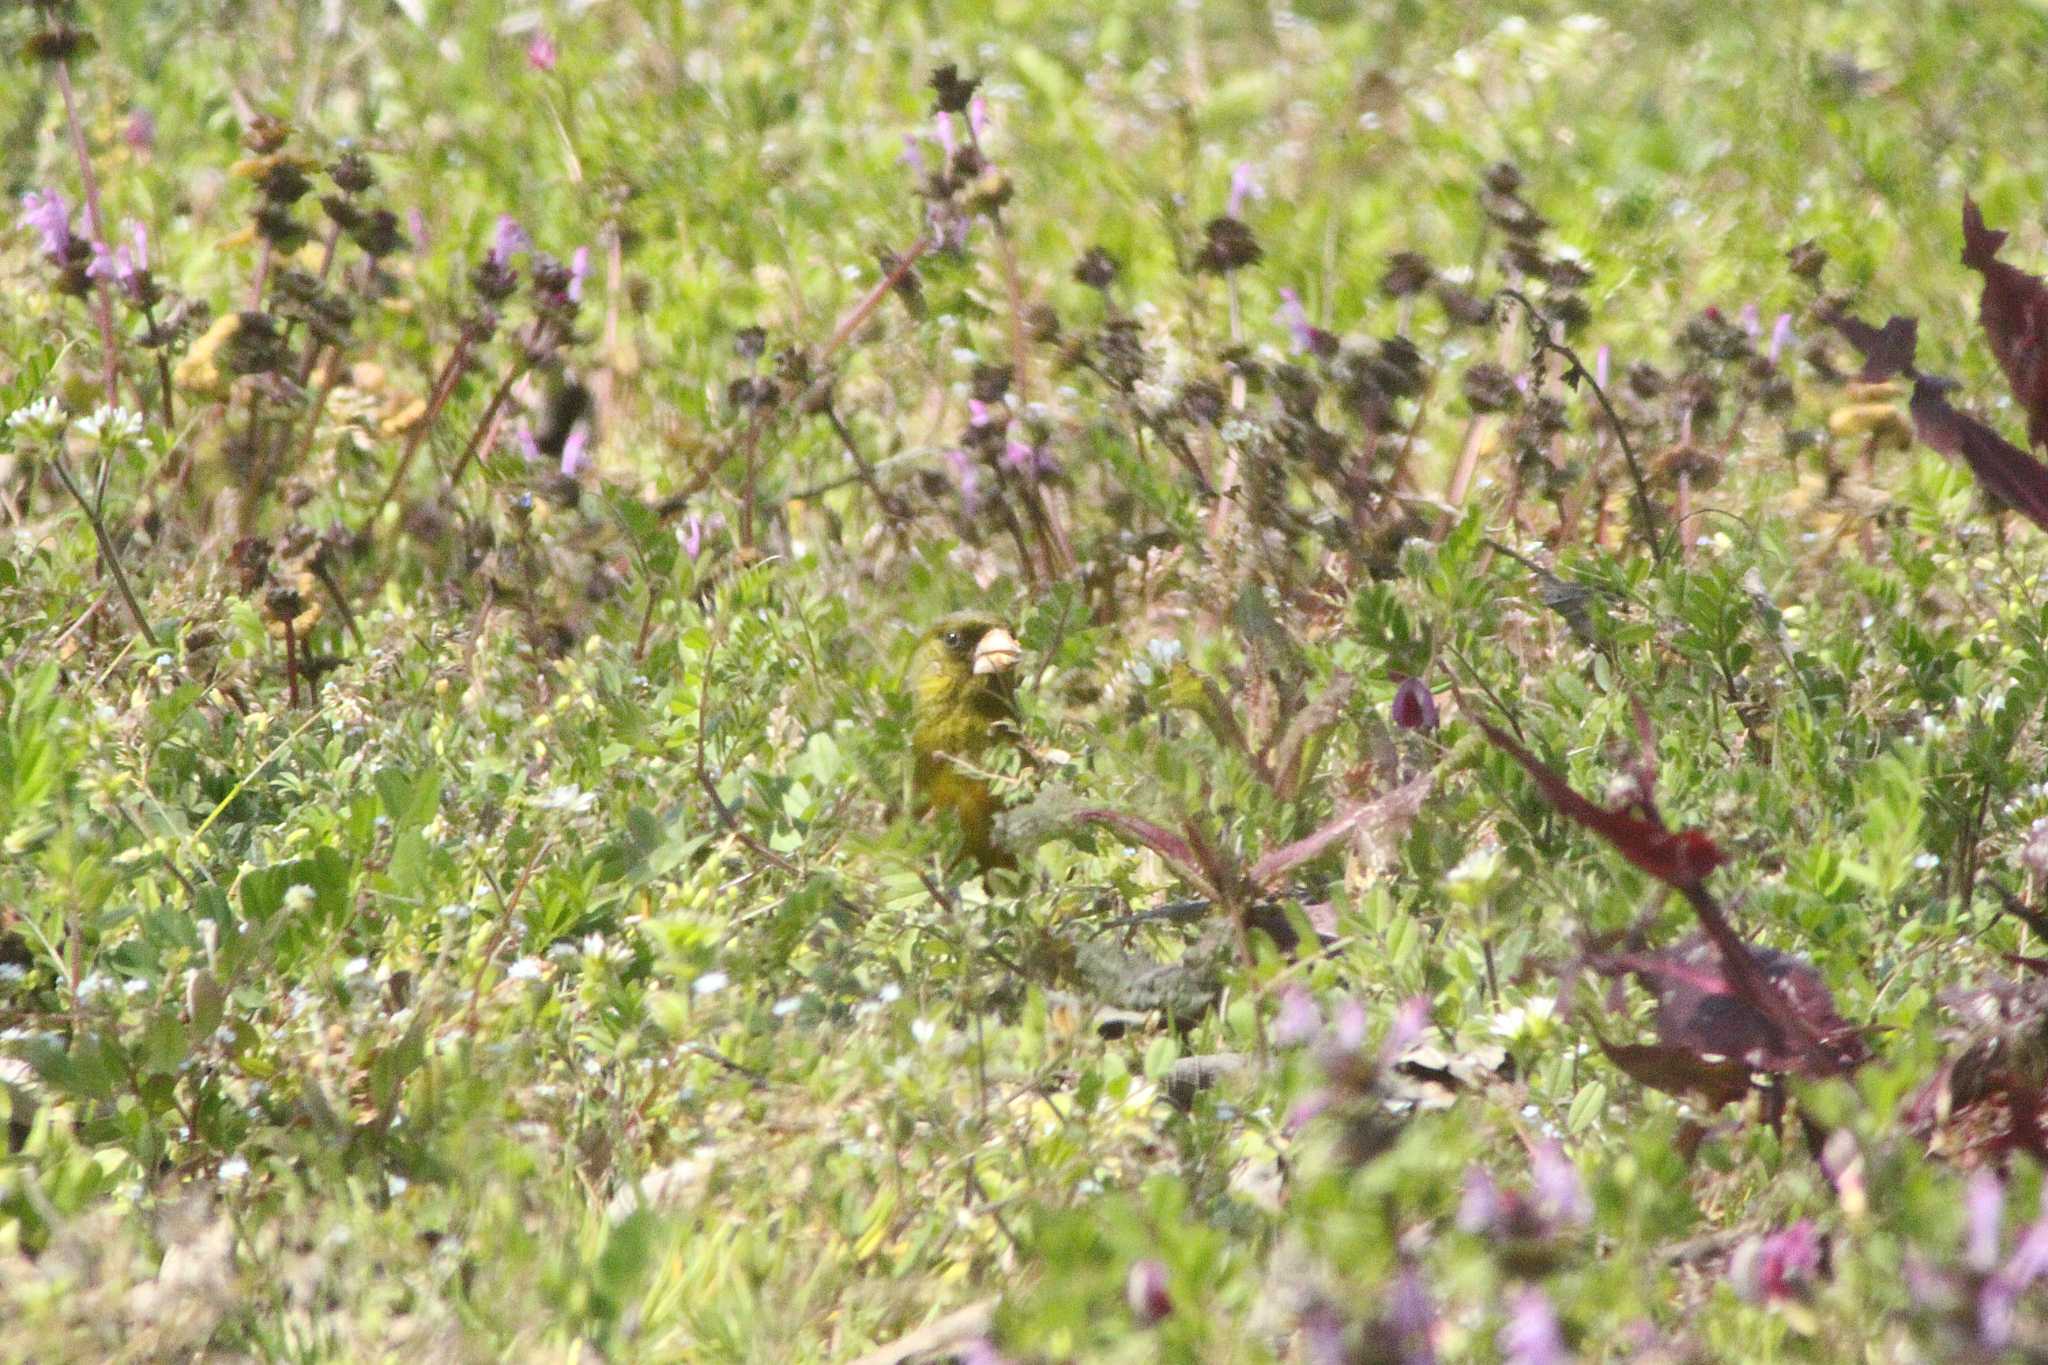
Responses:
[508,239]
[1412,1318]
[114,265]
[579,270]
[1984,1206]
[913,156]
[138,243]
[1601,358]
[1244,186]
[1348,1029]
[1531,1335]
[1298,1020]
[1778,1267]
[948,139]
[977,118]
[541,52]
[1560,1195]
[576,451]
[1295,318]
[1414,706]
[967,476]
[1752,320]
[416,225]
[1479,1208]
[1781,336]
[45,212]
[979,414]
[1409,1022]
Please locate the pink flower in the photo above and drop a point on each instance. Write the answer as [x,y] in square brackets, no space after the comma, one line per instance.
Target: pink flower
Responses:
[1781,336]
[1560,1195]
[977,118]
[1295,318]
[948,139]
[115,265]
[913,156]
[541,53]
[416,225]
[46,213]
[508,239]
[1778,1266]
[967,476]
[1298,1020]
[695,528]
[1531,1335]
[576,451]
[1244,186]
[1984,1203]
[579,269]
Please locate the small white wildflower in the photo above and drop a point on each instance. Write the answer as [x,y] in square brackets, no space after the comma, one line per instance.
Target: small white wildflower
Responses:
[134,986]
[11,972]
[41,420]
[355,966]
[710,983]
[1927,861]
[567,797]
[923,1030]
[111,425]
[233,1169]
[889,994]
[298,898]
[786,1006]
[525,969]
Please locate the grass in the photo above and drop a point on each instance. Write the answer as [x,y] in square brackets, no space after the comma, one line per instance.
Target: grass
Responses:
[487,920]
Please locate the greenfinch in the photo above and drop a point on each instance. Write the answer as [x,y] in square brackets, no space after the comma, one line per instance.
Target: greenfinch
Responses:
[963,700]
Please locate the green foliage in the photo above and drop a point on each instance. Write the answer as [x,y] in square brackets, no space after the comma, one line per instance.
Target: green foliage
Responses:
[493,920]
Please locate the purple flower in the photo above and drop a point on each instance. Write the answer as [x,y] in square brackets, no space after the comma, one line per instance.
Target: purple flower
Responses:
[1145,1292]
[695,528]
[576,451]
[114,265]
[1297,1020]
[1998,1301]
[138,240]
[508,239]
[1303,1113]
[1412,1318]
[1244,185]
[1322,1336]
[948,139]
[140,131]
[1295,318]
[1028,460]
[541,53]
[1781,336]
[1409,1022]
[45,212]
[579,270]
[982,1351]
[979,414]
[977,118]
[1531,1335]
[913,156]
[522,436]
[1479,1207]
[1560,1195]
[1414,706]
[967,476]
[1752,321]
[416,224]
[1984,1207]
[1348,1029]
[1600,361]
[1778,1266]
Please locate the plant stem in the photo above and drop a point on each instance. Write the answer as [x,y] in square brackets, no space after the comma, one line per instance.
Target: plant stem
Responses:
[106,547]
[103,297]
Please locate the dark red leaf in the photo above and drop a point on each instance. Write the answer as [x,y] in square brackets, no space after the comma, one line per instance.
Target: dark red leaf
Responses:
[1887,350]
[1179,854]
[2008,473]
[2021,911]
[1679,858]
[1396,809]
[2014,311]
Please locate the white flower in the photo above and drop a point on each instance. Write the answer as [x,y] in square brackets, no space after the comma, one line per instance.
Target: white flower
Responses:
[40,420]
[710,983]
[786,1006]
[525,969]
[298,898]
[567,797]
[111,425]
[234,1168]
[923,1030]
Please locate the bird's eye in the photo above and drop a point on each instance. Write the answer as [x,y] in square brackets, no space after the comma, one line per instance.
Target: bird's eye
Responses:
[953,639]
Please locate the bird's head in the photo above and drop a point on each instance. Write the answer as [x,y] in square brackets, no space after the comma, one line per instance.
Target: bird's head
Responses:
[966,662]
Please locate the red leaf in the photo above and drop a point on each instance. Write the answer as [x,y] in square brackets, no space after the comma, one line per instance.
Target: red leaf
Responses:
[1397,807]
[1887,350]
[1679,858]
[2014,311]
[1179,854]
[2008,473]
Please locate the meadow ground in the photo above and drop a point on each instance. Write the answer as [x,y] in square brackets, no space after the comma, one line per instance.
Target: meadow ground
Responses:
[472,477]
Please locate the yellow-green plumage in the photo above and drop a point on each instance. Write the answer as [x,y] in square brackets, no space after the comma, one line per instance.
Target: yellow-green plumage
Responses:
[963,697]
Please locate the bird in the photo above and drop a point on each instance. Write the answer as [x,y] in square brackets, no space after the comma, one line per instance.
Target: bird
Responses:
[963,701]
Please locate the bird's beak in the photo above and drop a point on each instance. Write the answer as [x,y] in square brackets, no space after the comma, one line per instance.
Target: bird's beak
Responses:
[998,652]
